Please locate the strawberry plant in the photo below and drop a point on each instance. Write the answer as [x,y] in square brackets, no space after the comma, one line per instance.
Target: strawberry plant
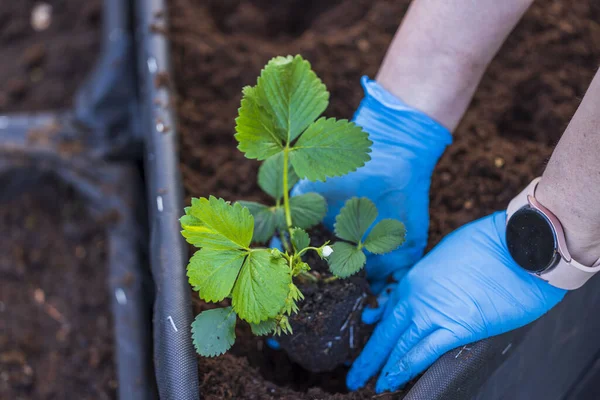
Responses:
[279,123]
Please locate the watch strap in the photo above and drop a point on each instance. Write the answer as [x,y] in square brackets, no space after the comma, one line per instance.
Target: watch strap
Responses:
[520,200]
[567,273]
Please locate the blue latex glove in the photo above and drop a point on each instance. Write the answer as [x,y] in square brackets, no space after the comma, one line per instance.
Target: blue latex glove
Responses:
[466,289]
[406,147]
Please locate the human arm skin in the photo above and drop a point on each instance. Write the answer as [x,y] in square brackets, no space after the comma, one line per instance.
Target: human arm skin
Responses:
[570,185]
[441,51]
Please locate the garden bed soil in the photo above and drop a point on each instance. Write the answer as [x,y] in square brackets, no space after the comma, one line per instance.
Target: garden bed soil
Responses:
[56,338]
[41,70]
[521,108]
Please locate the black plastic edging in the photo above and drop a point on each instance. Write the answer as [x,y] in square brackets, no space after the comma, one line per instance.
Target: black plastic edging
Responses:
[175,359]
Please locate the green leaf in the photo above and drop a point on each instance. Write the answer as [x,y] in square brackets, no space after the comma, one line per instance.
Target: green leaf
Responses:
[264,328]
[213,331]
[270,176]
[257,135]
[329,148]
[292,94]
[213,272]
[262,286]
[307,210]
[295,295]
[283,326]
[265,220]
[299,239]
[346,259]
[354,219]
[217,224]
[386,236]
[299,267]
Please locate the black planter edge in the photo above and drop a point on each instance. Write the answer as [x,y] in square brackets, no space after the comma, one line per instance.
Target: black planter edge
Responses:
[175,362]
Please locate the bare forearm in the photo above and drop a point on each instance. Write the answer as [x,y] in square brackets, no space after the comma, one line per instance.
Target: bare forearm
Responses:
[570,186]
[442,49]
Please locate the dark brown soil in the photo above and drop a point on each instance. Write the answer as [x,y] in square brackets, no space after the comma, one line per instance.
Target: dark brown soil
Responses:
[55,324]
[328,331]
[41,70]
[519,112]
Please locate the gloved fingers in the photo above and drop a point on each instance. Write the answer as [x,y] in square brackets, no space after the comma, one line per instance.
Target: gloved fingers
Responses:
[275,243]
[407,341]
[372,315]
[399,371]
[387,299]
[377,286]
[302,187]
[403,258]
[378,347]
[274,344]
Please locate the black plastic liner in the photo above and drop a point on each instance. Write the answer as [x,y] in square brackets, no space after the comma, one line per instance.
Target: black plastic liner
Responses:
[89,148]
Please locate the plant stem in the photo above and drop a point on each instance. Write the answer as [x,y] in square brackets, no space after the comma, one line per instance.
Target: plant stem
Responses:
[286,195]
[284,242]
[308,276]
[304,250]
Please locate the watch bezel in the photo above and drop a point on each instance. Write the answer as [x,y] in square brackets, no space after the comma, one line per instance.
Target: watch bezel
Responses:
[554,258]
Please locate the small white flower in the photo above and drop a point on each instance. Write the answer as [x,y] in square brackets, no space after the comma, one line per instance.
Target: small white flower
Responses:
[327,250]
[41,16]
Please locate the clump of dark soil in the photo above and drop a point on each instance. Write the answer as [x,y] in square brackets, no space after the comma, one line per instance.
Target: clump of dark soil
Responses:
[525,101]
[328,331]
[55,325]
[41,70]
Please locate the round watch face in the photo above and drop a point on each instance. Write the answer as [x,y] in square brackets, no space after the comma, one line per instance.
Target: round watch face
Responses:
[531,240]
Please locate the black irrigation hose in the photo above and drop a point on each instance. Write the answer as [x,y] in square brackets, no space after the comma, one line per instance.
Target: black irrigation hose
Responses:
[174,356]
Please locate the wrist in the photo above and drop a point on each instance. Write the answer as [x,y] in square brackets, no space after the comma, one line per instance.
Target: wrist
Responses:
[392,124]
[440,85]
[582,230]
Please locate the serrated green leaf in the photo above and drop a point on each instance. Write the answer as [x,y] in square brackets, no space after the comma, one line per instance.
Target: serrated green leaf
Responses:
[307,210]
[299,239]
[262,286]
[294,295]
[330,148]
[387,235]
[292,94]
[213,272]
[257,135]
[265,220]
[346,259]
[213,331]
[264,328]
[217,224]
[270,176]
[357,215]
[283,326]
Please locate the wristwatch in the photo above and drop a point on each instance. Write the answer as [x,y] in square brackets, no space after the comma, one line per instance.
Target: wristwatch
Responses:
[536,241]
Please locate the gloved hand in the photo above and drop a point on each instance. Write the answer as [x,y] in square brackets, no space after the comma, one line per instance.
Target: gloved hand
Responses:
[466,289]
[406,147]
